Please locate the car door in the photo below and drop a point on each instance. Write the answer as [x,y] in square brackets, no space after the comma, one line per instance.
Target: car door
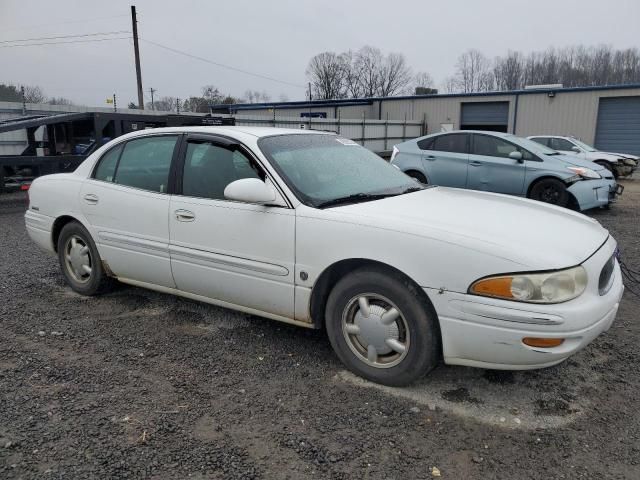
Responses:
[565,146]
[445,159]
[490,167]
[127,205]
[233,252]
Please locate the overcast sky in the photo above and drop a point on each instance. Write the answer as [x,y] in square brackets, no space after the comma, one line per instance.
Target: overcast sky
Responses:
[276,38]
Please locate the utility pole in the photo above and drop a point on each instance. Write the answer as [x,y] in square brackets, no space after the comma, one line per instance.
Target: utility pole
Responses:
[153,106]
[309,91]
[115,105]
[178,106]
[24,101]
[136,51]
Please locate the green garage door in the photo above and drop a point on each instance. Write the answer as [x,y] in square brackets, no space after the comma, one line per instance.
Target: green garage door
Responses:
[618,128]
[492,116]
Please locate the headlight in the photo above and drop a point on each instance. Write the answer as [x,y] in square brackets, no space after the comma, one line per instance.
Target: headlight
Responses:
[551,287]
[629,162]
[584,172]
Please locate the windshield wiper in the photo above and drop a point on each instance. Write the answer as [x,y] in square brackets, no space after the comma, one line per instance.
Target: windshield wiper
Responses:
[355,198]
[364,197]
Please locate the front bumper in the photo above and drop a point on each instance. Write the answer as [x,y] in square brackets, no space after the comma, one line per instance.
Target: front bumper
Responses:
[594,193]
[487,333]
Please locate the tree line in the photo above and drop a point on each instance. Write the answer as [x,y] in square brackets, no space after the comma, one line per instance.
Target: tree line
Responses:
[577,66]
[369,73]
[32,94]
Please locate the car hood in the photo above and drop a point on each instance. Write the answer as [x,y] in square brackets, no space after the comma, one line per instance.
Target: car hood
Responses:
[578,162]
[532,234]
[624,155]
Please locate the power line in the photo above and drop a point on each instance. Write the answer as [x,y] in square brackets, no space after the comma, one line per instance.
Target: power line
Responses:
[65,36]
[65,23]
[62,43]
[180,52]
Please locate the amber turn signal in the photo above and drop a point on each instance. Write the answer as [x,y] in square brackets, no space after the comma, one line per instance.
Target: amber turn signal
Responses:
[543,342]
[493,287]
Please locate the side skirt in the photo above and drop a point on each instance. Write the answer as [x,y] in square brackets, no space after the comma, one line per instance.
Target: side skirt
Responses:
[219,303]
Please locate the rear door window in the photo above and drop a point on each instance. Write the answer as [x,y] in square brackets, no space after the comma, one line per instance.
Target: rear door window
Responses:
[145,163]
[454,143]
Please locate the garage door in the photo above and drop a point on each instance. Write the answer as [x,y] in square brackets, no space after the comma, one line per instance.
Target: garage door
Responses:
[618,128]
[492,116]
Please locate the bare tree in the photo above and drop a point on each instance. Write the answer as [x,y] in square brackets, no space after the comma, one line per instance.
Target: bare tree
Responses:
[33,94]
[326,71]
[60,101]
[395,75]
[367,66]
[166,104]
[473,72]
[508,71]
[254,96]
[283,97]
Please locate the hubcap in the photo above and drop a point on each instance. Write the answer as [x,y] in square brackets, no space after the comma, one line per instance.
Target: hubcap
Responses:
[77,256]
[550,194]
[375,330]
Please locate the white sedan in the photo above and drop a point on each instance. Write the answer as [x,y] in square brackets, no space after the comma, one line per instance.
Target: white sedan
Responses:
[311,229]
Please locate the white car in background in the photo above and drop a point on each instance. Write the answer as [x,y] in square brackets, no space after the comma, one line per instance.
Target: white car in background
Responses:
[620,164]
[311,229]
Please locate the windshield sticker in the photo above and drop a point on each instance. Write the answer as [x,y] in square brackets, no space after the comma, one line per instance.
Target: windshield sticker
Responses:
[345,141]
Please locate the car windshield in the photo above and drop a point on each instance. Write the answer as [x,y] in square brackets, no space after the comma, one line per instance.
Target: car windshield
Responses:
[532,146]
[325,170]
[583,145]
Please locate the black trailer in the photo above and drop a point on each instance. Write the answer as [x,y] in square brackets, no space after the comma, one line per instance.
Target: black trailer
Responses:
[67,139]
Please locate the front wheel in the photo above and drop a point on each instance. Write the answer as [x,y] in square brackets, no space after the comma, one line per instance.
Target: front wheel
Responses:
[382,328]
[550,190]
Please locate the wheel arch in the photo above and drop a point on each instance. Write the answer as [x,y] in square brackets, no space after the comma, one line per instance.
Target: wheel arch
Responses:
[416,170]
[58,225]
[334,272]
[573,201]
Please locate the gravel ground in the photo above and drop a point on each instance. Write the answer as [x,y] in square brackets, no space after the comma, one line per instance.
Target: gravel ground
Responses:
[136,384]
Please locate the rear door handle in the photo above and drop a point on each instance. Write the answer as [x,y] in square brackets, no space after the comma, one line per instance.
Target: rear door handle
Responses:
[430,157]
[475,164]
[91,199]
[185,216]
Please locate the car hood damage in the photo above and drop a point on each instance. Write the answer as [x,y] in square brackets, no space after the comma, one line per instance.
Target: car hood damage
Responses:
[530,233]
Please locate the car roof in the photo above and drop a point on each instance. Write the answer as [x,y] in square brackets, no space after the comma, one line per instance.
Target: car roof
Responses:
[258,132]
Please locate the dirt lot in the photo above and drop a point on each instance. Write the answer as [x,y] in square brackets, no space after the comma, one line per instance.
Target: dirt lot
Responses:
[136,384]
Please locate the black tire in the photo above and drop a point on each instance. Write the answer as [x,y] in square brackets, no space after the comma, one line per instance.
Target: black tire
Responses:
[416,326]
[418,176]
[608,166]
[92,283]
[550,190]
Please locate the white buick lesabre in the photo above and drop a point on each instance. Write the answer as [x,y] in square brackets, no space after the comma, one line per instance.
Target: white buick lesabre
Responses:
[311,229]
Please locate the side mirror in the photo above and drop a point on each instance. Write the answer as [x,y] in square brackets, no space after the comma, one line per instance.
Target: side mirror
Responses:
[250,190]
[576,149]
[515,155]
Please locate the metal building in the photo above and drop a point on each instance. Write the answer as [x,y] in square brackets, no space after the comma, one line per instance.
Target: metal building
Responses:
[607,117]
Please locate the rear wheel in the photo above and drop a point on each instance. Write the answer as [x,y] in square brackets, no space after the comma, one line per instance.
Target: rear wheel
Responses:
[80,262]
[382,328]
[550,190]
[418,176]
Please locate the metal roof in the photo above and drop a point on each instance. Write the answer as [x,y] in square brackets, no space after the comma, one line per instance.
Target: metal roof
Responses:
[369,100]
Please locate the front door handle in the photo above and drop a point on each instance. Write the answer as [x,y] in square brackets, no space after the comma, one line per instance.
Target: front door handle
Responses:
[475,164]
[91,199]
[185,215]
[430,157]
